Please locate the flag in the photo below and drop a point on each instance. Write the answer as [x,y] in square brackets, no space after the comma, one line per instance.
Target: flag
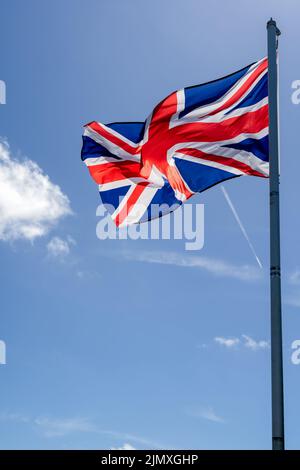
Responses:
[195,138]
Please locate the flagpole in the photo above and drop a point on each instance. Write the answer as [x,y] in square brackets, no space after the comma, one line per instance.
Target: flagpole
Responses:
[275,281]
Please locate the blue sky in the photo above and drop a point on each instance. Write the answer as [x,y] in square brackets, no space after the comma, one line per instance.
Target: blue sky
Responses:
[105,348]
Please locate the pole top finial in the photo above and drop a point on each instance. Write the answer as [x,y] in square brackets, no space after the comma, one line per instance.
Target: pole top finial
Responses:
[271,23]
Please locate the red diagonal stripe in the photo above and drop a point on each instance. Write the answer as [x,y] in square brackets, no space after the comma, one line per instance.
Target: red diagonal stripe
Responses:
[223,160]
[247,84]
[130,203]
[251,122]
[109,172]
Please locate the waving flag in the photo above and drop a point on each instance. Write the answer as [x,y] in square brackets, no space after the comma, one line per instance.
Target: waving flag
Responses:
[195,138]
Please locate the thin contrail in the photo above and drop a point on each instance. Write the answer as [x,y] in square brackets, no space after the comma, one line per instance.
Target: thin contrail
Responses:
[236,216]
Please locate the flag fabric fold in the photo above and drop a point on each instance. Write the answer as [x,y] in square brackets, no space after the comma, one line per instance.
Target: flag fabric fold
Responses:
[195,138]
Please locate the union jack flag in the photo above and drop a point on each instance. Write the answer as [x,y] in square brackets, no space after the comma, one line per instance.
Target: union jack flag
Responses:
[195,138]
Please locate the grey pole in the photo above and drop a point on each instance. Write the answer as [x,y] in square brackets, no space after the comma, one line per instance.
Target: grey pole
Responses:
[275,281]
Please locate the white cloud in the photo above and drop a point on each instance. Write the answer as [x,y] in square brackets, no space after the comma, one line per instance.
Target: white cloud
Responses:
[61,427]
[57,247]
[245,341]
[228,342]
[206,413]
[216,267]
[125,446]
[253,344]
[30,204]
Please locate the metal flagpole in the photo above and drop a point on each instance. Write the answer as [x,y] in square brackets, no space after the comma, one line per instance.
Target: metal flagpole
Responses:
[275,282]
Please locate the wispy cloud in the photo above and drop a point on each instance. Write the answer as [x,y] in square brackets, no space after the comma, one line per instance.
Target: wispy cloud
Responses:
[148,443]
[294,277]
[293,297]
[206,412]
[293,300]
[240,224]
[17,417]
[87,275]
[50,427]
[61,427]
[216,267]
[244,341]
[228,342]
[255,345]
[60,248]
[30,204]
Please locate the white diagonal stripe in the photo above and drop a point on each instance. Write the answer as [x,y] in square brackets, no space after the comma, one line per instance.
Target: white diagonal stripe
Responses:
[138,209]
[201,114]
[113,148]
[213,164]
[120,183]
